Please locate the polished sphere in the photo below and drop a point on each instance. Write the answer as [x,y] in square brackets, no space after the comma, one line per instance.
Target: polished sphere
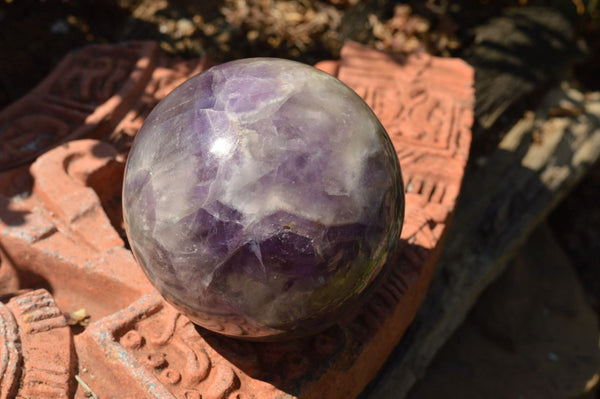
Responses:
[262,198]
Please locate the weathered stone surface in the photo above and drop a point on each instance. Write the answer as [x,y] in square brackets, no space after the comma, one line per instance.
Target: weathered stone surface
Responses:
[134,340]
[263,199]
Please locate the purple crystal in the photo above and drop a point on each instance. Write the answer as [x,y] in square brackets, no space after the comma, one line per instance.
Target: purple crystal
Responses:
[262,198]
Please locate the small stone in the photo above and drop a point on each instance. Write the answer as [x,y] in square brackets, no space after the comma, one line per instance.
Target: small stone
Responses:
[77,317]
[263,198]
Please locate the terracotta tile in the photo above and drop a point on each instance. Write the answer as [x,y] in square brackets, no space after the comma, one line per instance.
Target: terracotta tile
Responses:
[61,234]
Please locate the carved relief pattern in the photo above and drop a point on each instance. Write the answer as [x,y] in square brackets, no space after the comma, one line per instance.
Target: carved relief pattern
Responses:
[31,368]
[170,347]
[10,355]
[38,312]
[85,89]
[428,115]
[192,363]
[164,349]
[91,79]
[146,348]
[25,135]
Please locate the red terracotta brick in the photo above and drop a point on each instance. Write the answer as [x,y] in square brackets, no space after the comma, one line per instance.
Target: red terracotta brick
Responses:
[61,230]
[37,358]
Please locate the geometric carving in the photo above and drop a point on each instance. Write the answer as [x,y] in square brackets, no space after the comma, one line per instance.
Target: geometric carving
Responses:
[61,228]
[427,112]
[161,348]
[428,122]
[87,94]
[37,311]
[36,351]
[10,355]
[88,87]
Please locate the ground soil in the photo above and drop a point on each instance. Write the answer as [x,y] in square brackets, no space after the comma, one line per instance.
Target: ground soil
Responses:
[36,34]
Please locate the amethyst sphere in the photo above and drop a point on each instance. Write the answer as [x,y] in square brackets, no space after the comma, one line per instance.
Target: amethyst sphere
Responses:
[262,198]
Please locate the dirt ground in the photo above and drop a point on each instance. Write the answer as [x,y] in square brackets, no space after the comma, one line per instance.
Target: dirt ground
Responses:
[36,34]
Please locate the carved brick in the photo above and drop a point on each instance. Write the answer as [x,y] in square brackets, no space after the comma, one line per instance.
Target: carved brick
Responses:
[88,94]
[37,359]
[61,228]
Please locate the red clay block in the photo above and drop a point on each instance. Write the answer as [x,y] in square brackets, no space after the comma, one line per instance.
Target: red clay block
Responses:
[37,358]
[61,234]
